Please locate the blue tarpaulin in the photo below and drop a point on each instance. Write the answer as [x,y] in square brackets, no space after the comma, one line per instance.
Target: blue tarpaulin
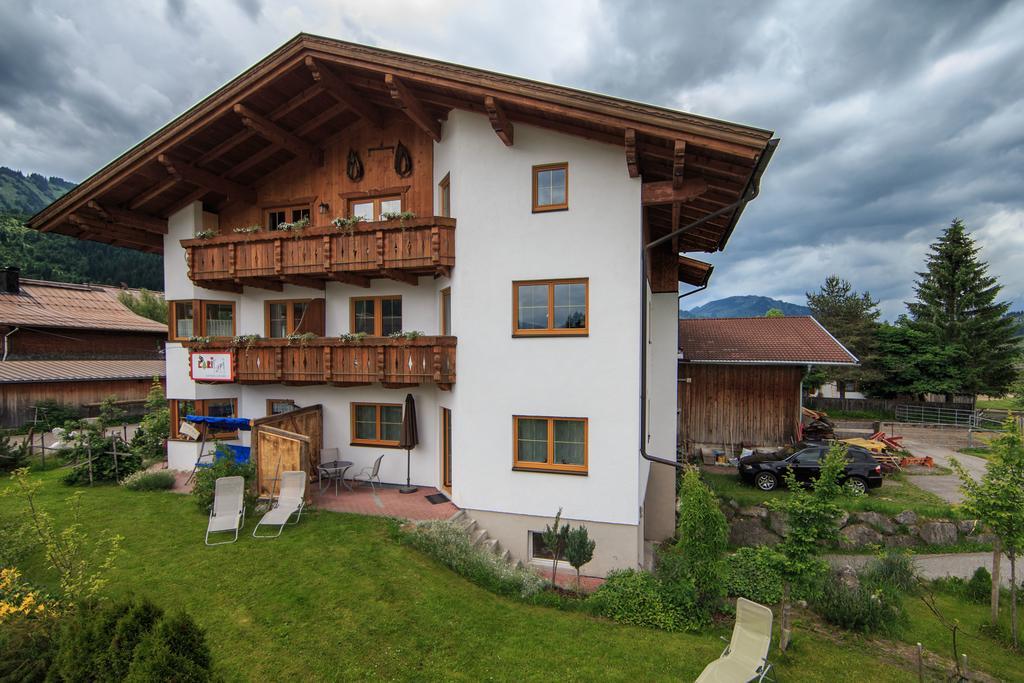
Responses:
[229,423]
[240,454]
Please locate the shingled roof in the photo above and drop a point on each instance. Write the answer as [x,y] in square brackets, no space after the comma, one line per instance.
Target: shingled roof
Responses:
[41,303]
[797,340]
[30,371]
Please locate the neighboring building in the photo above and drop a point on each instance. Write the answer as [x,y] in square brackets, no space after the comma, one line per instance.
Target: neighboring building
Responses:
[537,298]
[74,344]
[740,378]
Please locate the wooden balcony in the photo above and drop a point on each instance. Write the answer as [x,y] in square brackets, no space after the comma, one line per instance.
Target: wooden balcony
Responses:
[394,363]
[398,249]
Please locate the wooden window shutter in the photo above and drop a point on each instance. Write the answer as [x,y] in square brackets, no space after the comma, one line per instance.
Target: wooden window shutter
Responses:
[313,319]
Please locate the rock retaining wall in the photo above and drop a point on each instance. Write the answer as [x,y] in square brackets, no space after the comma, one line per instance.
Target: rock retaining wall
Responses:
[757,525]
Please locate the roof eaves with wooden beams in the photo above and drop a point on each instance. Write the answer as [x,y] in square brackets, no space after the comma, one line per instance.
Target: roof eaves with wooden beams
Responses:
[694,272]
[289,103]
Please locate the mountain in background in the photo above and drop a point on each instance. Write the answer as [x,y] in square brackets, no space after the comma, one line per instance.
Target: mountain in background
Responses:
[46,256]
[747,306]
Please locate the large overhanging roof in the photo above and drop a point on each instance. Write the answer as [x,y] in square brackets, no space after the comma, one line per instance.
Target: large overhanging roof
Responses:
[311,88]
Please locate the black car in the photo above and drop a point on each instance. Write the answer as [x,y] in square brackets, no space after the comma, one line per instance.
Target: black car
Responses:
[767,472]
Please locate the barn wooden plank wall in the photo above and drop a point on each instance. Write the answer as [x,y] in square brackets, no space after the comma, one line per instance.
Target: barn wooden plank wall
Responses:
[17,400]
[723,405]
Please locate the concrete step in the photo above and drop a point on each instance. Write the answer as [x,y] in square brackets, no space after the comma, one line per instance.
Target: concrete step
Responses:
[479,536]
[493,545]
[458,517]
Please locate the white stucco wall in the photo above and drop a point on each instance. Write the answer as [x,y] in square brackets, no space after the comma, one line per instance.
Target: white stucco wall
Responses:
[500,240]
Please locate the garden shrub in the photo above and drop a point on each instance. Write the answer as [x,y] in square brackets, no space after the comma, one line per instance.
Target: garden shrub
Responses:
[894,570]
[12,456]
[154,429]
[448,544]
[753,573]
[111,413]
[635,597]
[176,650]
[104,467]
[678,589]
[979,588]
[703,537]
[136,622]
[28,620]
[53,414]
[81,645]
[867,608]
[206,479]
[157,480]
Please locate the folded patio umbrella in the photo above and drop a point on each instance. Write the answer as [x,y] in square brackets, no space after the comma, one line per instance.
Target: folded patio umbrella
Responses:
[408,439]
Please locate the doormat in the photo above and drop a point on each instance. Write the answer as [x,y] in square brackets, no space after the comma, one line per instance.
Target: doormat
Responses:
[437,498]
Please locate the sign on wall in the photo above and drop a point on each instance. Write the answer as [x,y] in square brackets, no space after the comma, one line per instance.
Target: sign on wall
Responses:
[215,366]
[186,429]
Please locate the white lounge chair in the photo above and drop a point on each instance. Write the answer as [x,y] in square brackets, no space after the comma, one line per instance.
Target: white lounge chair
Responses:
[745,658]
[290,501]
[228,511]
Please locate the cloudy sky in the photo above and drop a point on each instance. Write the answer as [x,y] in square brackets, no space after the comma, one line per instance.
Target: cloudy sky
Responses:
[894,117]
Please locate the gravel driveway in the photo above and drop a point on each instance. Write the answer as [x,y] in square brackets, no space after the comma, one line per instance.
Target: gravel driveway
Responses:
[946,486]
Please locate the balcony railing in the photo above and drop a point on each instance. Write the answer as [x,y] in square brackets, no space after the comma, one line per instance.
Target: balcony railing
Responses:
[397,249]
[391,362]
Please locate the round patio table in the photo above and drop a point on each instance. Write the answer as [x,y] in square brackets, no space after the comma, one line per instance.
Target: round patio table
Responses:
[335,469]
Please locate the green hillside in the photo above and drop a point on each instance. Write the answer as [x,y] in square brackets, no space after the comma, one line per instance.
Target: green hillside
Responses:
[59,257]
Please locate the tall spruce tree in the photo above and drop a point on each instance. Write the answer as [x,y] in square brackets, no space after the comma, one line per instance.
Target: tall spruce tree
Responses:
[852,318]
[957,309]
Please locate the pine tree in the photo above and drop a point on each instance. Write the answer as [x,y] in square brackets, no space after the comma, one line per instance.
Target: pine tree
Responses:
[852,318]
[957,309]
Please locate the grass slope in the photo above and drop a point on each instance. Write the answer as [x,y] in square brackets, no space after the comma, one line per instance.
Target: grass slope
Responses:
[338,598]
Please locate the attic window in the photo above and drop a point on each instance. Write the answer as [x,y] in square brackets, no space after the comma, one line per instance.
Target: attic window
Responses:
[551,187]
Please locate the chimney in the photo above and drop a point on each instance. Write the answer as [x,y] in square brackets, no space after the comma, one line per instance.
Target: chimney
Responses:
[10,280]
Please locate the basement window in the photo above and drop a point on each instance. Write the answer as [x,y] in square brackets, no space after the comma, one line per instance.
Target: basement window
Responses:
[539,550]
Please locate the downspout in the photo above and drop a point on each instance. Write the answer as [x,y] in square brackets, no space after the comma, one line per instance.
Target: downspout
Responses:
[7,343]
[749,194]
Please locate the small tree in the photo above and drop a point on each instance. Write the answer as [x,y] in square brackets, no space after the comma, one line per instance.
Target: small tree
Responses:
[998,502]
[554,539]
[703,537]
[579,549]
[110,413]
[147,304]
[811,518]
[774,313]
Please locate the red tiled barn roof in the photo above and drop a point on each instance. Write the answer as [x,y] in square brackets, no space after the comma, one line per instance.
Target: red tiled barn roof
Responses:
[781,341]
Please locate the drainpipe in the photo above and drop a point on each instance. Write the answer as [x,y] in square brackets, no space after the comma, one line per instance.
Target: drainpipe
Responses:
[7,343]
[749,194]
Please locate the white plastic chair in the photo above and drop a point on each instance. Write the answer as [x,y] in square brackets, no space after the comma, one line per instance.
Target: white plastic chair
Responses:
[228,511]
[290,501]
[745,658]
[368,475]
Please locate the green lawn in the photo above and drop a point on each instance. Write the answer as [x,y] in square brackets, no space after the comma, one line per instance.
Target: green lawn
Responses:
[894,496]
[338,598]
[997,404]
[873,415]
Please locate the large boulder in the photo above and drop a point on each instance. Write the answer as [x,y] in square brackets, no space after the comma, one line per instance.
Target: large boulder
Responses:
[777,523]
[938,533]
[749,531]
[967,526]
[878,521]
[899,541]
[847,576]
[907,518]
[858,536]
[758,511]
[843,519]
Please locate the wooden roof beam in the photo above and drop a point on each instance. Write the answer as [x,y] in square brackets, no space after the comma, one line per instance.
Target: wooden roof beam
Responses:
[277,135]
[499,122]
[663,192]
[132,219]
[632,165]
[412,107]
[678,163]
[152,193]
[343,92]
[111,231]
[350,279]
[202,178]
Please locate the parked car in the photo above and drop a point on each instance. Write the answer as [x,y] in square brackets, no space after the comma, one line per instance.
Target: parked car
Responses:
[767,472]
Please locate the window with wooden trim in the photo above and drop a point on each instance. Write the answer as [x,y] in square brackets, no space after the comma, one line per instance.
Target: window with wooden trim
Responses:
[551,187]
[446,311]
[277,406]
[211,407]
[373,208]
[444,196]
[375,315]
[552,444]
[283,317]
[289,214]
[200,319]
[551,307]
[376,424]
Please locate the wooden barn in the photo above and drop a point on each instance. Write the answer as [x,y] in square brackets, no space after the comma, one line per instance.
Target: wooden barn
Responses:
[740,379]
[75,344]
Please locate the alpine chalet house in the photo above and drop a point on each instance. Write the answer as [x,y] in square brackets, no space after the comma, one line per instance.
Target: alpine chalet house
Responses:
[342,225]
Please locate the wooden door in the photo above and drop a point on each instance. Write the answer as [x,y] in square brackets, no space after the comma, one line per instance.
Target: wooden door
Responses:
[446,449]
[278,451]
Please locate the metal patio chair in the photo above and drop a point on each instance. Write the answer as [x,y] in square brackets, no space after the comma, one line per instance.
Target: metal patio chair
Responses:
[368,475]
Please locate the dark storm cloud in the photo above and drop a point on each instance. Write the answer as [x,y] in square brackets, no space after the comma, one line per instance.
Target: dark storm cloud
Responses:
[894,117]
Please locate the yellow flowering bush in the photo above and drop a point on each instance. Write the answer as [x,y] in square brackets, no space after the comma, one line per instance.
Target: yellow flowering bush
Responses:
[17,598]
